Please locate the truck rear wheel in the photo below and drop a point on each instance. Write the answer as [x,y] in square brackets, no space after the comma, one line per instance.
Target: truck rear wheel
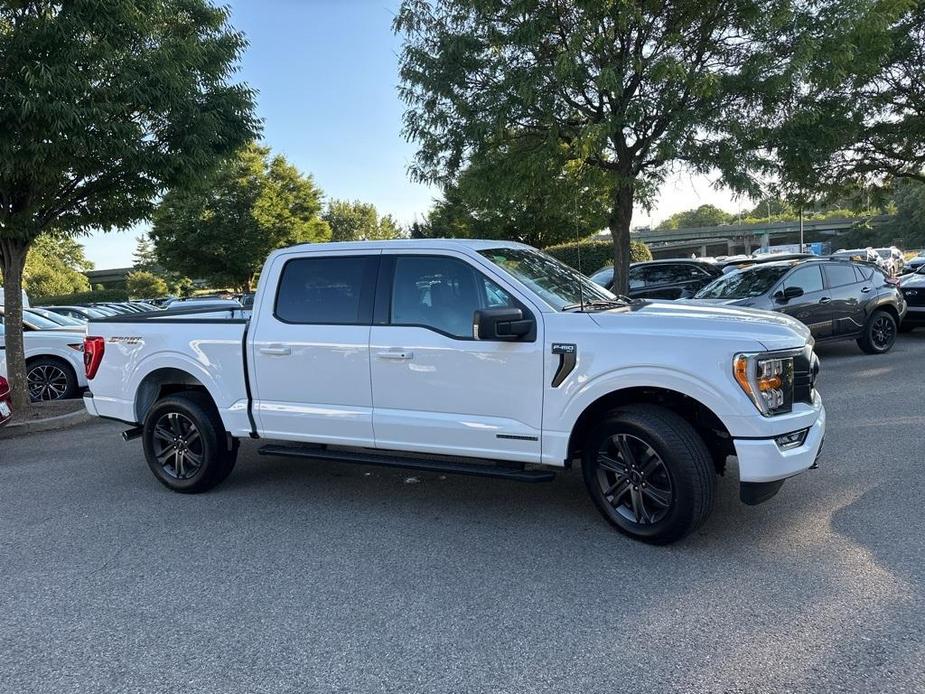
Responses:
[649,473]
[184,443]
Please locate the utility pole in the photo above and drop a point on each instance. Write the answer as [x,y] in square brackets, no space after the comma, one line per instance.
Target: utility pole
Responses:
[801,229]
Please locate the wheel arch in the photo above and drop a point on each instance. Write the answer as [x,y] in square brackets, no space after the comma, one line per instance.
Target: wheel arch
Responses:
[702,417]
[163,381]
[889,308]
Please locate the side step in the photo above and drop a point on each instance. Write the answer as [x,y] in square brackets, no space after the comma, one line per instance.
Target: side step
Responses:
[449,467]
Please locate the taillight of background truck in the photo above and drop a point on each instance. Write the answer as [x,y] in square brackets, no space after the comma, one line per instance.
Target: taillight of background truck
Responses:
[93,354]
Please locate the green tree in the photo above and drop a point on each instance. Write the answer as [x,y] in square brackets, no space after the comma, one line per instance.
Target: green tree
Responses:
[223,229]
[910,213]
[144,285]
[521,193]
[628,88]
[852,118]
[703,216]
[143,257]
[359,221]
[388,228]
[55,265]
[104,105]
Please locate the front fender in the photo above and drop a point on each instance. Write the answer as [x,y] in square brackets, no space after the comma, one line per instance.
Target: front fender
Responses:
[668,378]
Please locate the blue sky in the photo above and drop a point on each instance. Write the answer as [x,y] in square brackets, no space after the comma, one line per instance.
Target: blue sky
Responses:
[326,74]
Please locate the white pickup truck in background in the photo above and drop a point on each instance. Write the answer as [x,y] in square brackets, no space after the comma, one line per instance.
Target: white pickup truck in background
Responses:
[475,357]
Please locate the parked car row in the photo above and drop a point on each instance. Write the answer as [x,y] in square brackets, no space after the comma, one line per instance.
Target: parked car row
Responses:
[53,341]
[837,298]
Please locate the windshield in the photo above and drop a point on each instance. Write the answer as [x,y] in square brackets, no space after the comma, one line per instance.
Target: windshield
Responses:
[558,284]
[58,318]
[744,284]
[37,321]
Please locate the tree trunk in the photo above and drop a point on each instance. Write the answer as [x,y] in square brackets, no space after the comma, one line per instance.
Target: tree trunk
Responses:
[12,260]
[621,215]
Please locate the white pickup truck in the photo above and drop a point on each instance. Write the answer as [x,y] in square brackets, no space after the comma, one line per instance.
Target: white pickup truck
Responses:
[474,357]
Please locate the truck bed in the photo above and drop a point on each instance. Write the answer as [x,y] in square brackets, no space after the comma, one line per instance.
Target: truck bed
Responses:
[144,349]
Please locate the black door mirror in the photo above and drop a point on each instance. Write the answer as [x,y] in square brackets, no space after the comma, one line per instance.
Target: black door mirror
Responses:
[503,323]
[788,294]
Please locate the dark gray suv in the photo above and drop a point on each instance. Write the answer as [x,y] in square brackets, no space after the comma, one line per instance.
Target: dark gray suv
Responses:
[836,299]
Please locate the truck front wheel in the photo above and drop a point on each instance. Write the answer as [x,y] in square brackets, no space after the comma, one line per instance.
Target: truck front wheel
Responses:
[184,443]
[649,473]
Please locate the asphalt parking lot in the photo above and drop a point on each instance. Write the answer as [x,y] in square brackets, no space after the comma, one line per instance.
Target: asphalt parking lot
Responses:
[300,577]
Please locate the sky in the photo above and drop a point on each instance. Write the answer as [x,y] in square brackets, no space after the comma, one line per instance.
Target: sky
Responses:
[326,73]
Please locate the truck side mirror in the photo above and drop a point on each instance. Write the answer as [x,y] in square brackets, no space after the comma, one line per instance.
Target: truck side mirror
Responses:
[503,323]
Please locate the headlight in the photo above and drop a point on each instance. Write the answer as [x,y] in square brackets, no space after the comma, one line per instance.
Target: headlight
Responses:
[767,380]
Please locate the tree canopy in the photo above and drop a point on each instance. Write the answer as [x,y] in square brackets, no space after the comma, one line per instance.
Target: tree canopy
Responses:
[520,192]
[759,93]
[55,265]
[627,88]
[853,115]
[223,228]
[358,221]
[103,106]
[703,216]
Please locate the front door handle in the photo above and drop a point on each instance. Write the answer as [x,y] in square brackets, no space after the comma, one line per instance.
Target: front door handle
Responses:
[398,354]
[825,300]
[865,289]
[276,350]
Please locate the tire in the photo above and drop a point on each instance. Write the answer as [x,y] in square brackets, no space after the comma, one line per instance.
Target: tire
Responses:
[204,458]
[50,378]
[684,470]
[879,334]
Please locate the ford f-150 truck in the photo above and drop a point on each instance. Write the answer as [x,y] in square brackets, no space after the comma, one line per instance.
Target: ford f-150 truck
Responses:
[474,357]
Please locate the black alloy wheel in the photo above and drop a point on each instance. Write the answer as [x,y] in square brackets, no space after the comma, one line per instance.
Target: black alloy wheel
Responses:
[185,443]
[879,333]
[178,446]
[633,479]
[649,473]
[883,332]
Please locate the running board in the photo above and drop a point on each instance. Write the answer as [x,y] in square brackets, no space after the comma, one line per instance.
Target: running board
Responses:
[452,468]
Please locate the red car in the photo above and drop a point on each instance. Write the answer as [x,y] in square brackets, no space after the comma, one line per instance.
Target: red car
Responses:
[6,410]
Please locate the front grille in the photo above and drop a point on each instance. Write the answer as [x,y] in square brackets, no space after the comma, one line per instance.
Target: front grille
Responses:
[805,367]
[915,297]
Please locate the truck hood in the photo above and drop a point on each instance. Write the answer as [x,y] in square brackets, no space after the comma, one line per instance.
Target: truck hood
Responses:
[772,330]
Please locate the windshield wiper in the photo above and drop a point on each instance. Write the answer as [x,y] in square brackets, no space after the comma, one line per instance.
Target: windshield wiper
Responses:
[599,304]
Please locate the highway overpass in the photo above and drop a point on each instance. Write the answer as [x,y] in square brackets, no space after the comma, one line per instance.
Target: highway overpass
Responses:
[730,239]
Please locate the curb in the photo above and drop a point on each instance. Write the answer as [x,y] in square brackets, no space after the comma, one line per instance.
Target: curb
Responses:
[63,421]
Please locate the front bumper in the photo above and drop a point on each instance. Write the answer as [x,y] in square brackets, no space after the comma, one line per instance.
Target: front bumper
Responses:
[763,465]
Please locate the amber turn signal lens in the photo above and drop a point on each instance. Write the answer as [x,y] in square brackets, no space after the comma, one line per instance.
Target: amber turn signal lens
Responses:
[770,383]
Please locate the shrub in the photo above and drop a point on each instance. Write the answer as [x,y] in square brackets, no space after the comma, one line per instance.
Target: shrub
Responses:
[83,298]
[145,285]
[595,254]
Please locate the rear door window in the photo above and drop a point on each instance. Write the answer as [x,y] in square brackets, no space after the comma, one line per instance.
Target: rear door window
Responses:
[336,290]
[840,274]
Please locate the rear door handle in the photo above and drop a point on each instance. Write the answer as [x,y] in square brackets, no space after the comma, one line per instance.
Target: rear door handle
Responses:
[825,300]
[865,289]
[398,354]
[276,350]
